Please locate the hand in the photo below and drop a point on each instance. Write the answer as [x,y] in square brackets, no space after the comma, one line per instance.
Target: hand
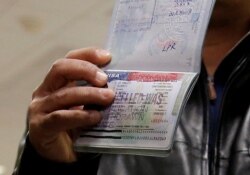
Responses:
[57,108]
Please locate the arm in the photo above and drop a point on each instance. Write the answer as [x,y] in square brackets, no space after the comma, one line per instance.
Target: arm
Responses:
[57,113]
[32,163]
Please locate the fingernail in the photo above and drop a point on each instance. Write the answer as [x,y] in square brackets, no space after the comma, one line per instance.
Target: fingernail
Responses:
[101,76]
[103,53]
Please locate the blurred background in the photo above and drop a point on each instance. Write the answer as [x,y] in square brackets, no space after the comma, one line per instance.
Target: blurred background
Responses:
[33,34]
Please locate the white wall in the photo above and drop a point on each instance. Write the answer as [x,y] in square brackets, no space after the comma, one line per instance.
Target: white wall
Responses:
[34,33]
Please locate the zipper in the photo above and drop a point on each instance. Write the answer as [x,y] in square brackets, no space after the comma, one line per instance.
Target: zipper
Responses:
[211,89]
[211,97]
[206,123]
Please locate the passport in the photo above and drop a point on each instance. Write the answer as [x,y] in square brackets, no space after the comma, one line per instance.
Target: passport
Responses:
[156,47]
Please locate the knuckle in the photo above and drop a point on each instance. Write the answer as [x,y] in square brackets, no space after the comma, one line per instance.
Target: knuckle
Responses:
[57,97]
[34,120]
[70,53]
[60,95]
[35,92]
[33,106]
[79,114]
[88,92]
[34,123]
[55,116]
[89,68]
[58,64]
[51,120]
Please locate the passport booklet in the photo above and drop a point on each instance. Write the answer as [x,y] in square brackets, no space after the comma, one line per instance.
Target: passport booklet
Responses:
[156,47]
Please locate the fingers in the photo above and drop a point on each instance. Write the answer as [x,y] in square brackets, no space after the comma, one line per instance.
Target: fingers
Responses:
[76,96]
[67,119]
[96,56]
[62,108]
[81,65]
[65,70]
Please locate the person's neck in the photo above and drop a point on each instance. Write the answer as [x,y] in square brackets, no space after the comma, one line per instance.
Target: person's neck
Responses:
[223,33]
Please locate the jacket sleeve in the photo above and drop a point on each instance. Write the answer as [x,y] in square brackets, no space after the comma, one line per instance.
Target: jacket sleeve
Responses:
[30,162]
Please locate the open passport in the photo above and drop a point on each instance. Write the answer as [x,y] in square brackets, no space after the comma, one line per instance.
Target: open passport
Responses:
[156,47]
